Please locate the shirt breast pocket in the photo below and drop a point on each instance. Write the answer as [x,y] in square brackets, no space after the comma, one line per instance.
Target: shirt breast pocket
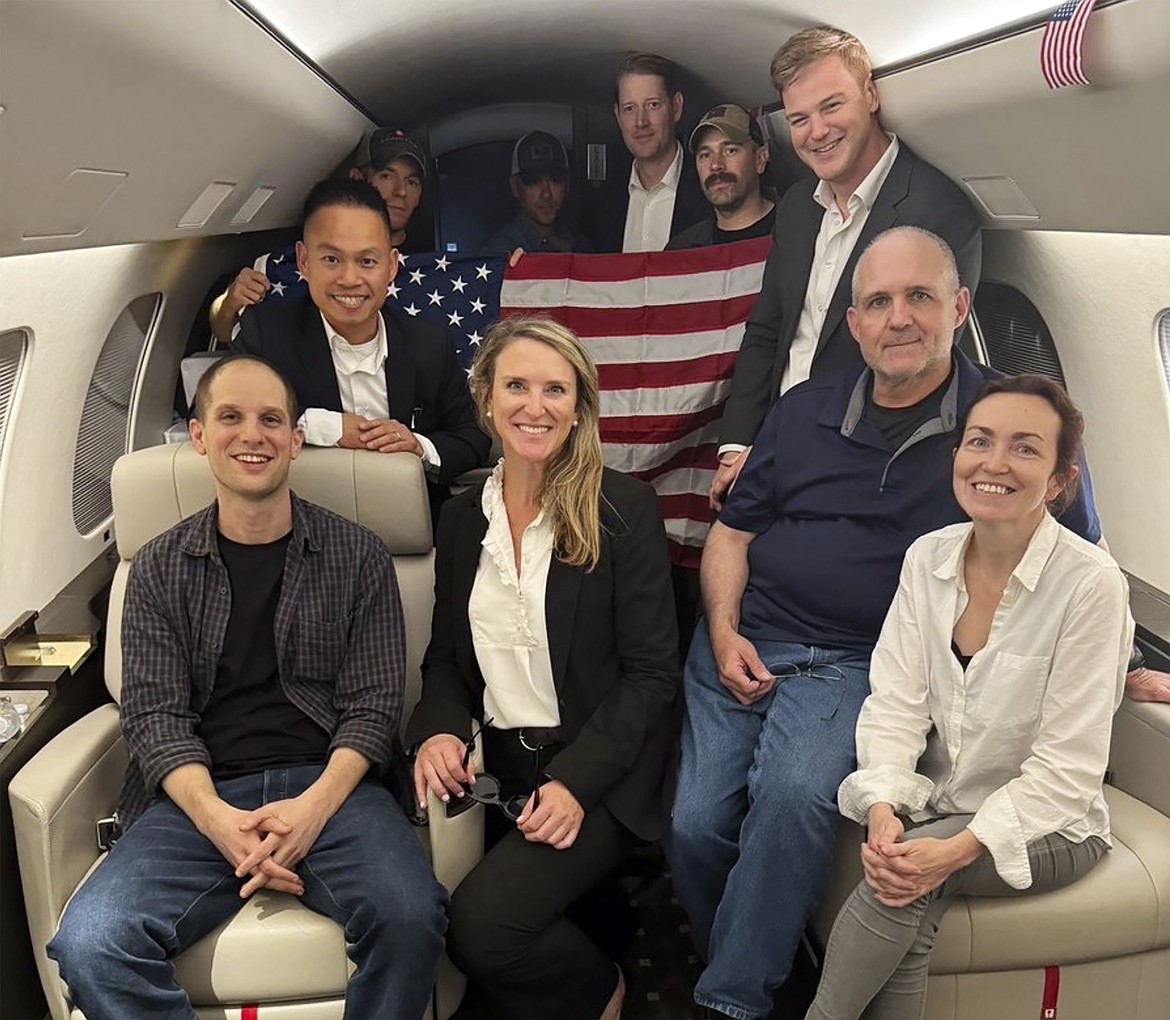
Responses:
[1010,696]
[319,648]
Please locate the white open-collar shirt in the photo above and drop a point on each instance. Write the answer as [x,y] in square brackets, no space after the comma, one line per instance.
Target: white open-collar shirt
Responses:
[651,210]
[361,381]
[509,629]
[1020,738]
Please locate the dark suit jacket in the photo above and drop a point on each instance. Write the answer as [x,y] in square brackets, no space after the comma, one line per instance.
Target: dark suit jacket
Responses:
[606,208]
[612,639]
[914,193]
[424,382]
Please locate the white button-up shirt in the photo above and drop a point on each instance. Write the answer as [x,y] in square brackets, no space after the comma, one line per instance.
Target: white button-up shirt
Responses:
[508,627]
[835,242]
[361,381]
[1020,738]
[650,211]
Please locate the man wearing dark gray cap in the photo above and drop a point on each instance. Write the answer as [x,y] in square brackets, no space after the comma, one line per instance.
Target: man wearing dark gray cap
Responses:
[388,159]
[730,156]
[540,183]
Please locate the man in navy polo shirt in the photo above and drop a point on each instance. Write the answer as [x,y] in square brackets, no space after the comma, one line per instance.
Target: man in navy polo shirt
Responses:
[797,576]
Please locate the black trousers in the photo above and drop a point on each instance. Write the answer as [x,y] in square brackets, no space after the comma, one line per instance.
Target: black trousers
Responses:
[510,931]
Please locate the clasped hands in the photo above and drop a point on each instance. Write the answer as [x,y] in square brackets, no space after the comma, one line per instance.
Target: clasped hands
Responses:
[901,872]
[438,767]
[267,844]
[383,435]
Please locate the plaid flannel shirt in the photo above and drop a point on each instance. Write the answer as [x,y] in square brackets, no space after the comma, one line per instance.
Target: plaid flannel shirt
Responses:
[340,642]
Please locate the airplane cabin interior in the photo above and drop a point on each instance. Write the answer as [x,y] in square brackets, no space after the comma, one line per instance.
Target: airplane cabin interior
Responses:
[149,148]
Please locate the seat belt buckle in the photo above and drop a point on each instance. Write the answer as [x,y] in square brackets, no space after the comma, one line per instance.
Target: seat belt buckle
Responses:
[109,831]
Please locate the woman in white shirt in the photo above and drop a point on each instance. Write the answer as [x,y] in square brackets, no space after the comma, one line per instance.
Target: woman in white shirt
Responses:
[554,636]
[982,748]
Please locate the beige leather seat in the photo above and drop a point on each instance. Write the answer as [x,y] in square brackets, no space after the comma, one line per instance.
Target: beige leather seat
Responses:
[274,953]
[1108,934]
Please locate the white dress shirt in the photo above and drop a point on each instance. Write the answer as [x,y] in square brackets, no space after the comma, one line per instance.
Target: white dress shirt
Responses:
[508,627]
[835,243]
[650,210]
[1020,738]
[361,380]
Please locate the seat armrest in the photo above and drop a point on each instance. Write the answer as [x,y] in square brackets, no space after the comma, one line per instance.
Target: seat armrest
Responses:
[1139,756]
[56,798]
[456,843]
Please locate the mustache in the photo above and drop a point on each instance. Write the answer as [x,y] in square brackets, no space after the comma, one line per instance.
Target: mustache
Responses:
[720,178]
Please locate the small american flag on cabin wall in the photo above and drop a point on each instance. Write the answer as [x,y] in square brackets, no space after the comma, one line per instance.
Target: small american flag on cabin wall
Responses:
[1062,42]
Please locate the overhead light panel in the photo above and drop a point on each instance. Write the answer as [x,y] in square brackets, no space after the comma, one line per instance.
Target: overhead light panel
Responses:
[73,206]
[1002,198]
[204,207]
[247,212]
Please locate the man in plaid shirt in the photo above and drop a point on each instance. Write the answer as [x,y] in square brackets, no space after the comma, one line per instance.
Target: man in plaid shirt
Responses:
[264,656]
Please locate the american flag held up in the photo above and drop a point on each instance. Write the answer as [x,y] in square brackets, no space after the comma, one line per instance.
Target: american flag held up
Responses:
[662,327]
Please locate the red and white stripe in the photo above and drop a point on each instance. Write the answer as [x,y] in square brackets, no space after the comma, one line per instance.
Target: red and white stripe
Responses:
[1062,42]
[664,329]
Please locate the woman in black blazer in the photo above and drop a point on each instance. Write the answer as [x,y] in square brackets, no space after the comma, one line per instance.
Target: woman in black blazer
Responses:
[554,635]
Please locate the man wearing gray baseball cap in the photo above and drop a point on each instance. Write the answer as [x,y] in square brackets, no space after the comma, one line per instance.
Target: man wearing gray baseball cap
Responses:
[730,157]
[540,184]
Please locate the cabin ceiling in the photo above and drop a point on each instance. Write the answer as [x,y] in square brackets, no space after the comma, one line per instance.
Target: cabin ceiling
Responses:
[408,65]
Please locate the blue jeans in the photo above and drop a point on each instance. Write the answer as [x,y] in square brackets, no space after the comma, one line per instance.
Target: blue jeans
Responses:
[164,886]
[755,816]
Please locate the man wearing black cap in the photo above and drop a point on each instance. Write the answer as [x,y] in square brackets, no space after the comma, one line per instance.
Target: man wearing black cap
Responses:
[540,182]
[730,156]
[386,158]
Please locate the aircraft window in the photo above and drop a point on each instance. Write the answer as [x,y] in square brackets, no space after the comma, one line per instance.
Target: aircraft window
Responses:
[1015,336]
[1163,345]
[13,344]
[103,435]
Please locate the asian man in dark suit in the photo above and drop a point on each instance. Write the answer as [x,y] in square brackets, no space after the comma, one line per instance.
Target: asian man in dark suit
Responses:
[367,376]
[866,182]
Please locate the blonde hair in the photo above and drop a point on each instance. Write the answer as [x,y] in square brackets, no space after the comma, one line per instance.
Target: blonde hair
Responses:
[813,44]
[570,492]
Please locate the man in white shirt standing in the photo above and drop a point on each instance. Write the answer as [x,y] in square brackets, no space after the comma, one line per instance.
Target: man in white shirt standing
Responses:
[663,195]
[367,376]
[866,182]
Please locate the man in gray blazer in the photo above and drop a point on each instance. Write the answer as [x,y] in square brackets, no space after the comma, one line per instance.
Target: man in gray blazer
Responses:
[866,181]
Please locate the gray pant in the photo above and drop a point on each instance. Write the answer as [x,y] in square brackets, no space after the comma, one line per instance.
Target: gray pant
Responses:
[878,956]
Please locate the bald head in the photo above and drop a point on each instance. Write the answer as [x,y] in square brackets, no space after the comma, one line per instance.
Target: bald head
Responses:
[896,241]
[907,306]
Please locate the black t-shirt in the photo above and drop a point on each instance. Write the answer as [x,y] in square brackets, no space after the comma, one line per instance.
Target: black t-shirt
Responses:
[897,424]
[249,724]
[761,228]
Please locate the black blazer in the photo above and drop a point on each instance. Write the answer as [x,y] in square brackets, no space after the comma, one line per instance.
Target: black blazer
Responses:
[424,383]
[606,208]
[914,193]
[613,642]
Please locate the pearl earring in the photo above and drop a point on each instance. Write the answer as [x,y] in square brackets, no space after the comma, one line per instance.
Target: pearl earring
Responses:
[489,414]
[574,423]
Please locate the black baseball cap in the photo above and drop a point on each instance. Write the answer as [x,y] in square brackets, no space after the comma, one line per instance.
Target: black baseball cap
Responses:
[539,154]
[382,147]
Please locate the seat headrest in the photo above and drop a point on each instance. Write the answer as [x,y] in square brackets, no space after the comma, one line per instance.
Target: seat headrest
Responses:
[192,367]
[157,487]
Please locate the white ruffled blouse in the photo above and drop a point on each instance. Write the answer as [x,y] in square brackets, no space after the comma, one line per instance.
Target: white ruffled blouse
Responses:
[508,627]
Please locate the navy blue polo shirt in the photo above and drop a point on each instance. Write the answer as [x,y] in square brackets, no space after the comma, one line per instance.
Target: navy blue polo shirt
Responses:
[834,509]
